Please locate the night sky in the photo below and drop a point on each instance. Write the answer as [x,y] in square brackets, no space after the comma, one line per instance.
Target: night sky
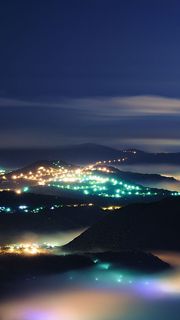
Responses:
[101,71]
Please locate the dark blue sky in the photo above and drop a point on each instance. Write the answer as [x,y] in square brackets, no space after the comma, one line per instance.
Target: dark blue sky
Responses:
[104,71]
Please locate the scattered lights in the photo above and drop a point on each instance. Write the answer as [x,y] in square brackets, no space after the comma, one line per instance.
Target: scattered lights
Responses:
[129,153]
[27,209]
[175,193]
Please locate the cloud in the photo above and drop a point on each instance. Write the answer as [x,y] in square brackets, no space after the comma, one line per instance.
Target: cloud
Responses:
[106,106]
[129,106]
[112,120]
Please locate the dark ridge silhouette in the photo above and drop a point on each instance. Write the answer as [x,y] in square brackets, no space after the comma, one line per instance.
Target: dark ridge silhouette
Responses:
[47,221]
[137,177]
[150,226]
[61,219]
[13,199]
[15,268]
[152,158]
[40,264]
[136,260]
[141,178]
[83,153]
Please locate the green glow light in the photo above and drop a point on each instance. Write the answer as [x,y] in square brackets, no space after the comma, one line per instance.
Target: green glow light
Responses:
[104,266]
[25,189]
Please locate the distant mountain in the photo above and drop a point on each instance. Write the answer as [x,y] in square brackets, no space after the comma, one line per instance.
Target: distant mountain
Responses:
[136,156]
[84,153]
[149,180]
[24,178]
[152,226]
[73,154]
[137,177]
[133,177]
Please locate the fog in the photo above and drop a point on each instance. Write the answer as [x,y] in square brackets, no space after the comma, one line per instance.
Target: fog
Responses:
[97,294]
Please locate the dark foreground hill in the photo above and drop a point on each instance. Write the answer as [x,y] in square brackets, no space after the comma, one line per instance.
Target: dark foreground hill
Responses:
[43,214]
[24,266]
[59,220]
[152,226]
[29,266]
[135,260]
[15,269]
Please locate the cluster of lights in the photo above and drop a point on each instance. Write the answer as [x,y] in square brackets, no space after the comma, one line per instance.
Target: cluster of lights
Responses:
[98,180]
[27,248]
[111,208]
[2,171]
[42,175]
[91,179]
[103,185]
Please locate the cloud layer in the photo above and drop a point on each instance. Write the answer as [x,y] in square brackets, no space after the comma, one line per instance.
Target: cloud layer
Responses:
[122,106]
[142,120]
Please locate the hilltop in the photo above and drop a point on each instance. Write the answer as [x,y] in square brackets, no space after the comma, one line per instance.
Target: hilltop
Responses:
[150,226]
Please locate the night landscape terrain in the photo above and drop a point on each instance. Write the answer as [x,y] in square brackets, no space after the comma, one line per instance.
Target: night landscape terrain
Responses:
[89,160]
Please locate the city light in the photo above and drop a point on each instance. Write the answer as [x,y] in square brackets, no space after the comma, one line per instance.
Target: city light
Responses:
[27,248]
[90,180]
